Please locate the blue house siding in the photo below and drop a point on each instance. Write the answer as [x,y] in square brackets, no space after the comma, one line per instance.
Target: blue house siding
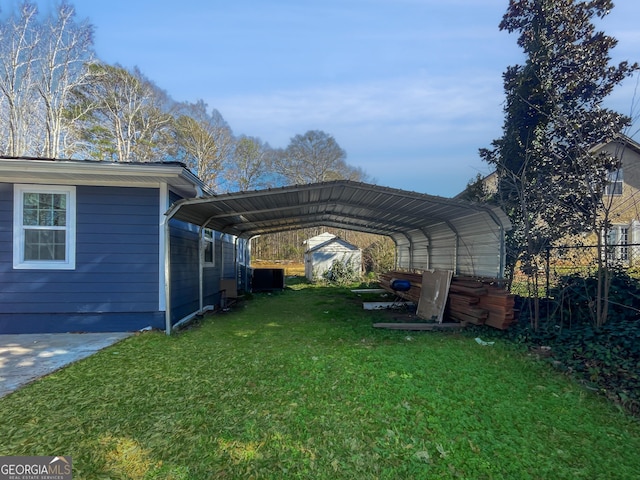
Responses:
[184,270]
[228,256]
[115,283]
[184,248]
[6,230]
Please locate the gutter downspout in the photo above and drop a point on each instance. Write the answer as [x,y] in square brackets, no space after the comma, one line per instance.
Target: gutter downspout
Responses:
[167,275]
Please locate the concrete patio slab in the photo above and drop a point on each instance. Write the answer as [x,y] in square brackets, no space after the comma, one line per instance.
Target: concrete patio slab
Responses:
[26,357]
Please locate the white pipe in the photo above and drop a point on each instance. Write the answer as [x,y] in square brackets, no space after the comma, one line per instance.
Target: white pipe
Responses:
[167,276]
[201,246]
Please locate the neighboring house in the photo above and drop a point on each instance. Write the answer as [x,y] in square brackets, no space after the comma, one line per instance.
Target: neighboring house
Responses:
[622,199]
[322,250]
[85,247]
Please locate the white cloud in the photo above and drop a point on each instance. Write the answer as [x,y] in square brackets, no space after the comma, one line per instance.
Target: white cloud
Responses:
[419,104]
[398,130]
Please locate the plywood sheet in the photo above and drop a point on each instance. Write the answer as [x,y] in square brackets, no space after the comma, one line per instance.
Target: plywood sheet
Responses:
[230,287]
[433,295]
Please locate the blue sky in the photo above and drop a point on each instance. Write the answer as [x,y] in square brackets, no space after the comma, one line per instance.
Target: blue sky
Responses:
[411,89]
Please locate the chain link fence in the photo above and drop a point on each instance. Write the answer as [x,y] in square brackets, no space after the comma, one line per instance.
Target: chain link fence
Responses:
[576,260]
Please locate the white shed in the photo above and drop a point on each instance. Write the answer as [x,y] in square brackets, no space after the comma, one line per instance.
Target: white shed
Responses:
[322,250]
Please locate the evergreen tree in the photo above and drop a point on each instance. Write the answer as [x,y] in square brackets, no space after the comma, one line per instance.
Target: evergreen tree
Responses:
[549,182]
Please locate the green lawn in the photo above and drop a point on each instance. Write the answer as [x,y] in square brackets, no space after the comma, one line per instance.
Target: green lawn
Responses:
[299,385]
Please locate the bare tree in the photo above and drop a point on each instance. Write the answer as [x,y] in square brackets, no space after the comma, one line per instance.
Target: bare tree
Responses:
[314,157]
[249,167]
[204,140]
[65,48]
[18,41]
[122,116]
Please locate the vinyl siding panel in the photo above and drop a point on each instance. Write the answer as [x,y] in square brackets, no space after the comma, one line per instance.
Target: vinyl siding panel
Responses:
[6,232]
[184,270]
[115,283]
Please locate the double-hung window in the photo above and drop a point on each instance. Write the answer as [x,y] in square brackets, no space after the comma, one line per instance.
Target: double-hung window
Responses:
[615,181]
[44,220]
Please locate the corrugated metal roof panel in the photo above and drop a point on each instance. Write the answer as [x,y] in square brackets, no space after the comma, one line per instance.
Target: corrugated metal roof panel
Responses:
[429,222]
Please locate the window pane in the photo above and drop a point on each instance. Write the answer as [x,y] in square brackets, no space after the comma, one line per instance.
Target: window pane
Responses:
[31,245]
[45,218]
[59,210]
[60,201]
[59,218]
[59,252]
[617,188]
[30,199]
[30,216]
[45,245]
[45,209]
[208,252]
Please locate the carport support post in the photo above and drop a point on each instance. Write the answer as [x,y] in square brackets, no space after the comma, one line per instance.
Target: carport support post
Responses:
[201,246]
[167,275]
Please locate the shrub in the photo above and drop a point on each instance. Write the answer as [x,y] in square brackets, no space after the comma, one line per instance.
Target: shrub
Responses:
[605,357]
[341,273]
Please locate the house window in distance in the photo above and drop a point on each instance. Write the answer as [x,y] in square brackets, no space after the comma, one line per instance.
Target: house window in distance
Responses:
[614,182]
[44,219]
[618,244]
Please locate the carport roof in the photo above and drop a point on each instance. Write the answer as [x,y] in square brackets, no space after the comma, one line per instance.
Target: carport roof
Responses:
[342,204]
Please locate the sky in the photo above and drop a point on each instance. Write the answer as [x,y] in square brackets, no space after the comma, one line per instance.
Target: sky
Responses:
[410,89]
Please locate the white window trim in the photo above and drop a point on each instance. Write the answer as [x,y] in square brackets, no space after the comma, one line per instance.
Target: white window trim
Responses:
[209,237]
[619,250]
[18,230]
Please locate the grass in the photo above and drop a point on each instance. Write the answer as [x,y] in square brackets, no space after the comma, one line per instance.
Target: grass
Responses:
[299,385]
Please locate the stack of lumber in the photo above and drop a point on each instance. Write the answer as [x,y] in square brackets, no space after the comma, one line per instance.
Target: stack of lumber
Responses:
[480,301]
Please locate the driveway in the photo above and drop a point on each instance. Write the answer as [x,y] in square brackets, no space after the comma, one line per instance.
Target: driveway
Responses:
[26,357]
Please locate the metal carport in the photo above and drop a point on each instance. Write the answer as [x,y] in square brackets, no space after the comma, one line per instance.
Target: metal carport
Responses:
[429,232]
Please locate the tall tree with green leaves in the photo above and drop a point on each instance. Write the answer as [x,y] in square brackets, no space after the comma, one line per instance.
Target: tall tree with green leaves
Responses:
[549,182]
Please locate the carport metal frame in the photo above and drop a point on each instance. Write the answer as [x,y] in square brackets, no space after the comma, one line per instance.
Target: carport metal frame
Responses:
[432,232]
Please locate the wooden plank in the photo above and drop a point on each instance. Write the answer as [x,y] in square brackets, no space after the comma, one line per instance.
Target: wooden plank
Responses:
[463,299]
[476,291]
[368,290]
[463,317]
[419,326]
